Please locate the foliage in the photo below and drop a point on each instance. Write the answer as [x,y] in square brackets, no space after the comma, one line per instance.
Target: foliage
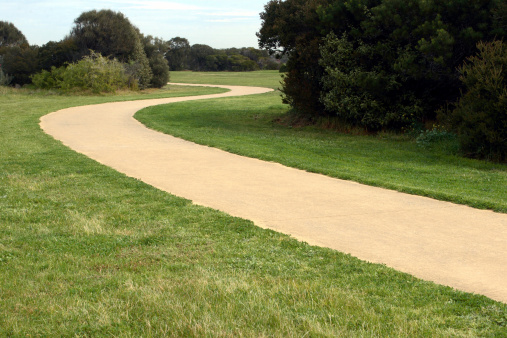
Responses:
[178,53]
[20,62]
[292,28]
[480,116]
[160,70]
[369,98]
[401,59]
[106,32]
[94,72]
[198,56]
[156,49]
[10,36]
[235,63]
[57,54]
[5,79]
[111,34]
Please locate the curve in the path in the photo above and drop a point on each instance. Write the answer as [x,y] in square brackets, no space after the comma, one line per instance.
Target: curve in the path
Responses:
[446,243]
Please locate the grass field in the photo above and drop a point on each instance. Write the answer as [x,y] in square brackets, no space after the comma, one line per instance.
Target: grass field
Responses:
[87,251]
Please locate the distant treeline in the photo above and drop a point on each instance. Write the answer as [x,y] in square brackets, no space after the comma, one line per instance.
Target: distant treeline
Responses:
[146,59]
[183,56]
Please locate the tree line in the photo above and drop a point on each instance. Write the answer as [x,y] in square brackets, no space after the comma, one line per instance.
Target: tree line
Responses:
[396,65]
[107,34]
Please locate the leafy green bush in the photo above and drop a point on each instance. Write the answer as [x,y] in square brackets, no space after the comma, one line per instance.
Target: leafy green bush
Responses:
[480,116]
[363,95]
[5,79]
[160,70]
[402,61]
[94,72]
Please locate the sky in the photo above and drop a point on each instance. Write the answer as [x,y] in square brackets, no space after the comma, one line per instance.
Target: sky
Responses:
[218,23]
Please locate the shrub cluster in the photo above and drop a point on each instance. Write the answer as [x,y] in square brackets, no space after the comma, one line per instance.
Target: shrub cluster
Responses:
[94,72]
[480,116]
[385,64]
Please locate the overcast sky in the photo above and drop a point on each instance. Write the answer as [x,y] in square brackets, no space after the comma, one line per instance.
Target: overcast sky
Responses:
[219,23]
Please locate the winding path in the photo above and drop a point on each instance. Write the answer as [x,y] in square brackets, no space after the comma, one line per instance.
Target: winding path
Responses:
[446,243]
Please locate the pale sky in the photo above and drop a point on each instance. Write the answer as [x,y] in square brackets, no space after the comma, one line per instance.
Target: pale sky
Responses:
[219,24]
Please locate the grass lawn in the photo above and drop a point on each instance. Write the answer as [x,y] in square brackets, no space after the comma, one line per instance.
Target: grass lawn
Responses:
[87,251]
[245,125]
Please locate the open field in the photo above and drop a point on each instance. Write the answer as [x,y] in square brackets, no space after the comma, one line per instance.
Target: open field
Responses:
[85,251]
[245,125]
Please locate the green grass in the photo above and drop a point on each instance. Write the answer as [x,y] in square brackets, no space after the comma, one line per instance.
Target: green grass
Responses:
[264,78]
[245,125]
[87,251]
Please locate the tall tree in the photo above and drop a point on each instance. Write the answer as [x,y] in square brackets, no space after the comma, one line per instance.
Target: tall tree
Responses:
[178,53]
[56,54]
[292,28]
[155,49]
[10,35]
[198,55]
[384,63]
[111,34]
[20,62]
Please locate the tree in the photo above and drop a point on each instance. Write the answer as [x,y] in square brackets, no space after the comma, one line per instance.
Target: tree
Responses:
[106,32]
[10,36]
[5,79]
[111,34]
[155,49]
[480,116]
[198,55]
[160,70]
[385,63]
[403,57]
[20,62]
[292,28]
[178,53]
[56,54]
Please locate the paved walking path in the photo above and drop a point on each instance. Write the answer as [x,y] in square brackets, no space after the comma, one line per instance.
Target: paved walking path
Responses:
[438,241]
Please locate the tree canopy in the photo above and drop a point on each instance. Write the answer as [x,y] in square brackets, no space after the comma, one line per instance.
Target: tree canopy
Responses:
[10,36]
[378,64]
[111,34]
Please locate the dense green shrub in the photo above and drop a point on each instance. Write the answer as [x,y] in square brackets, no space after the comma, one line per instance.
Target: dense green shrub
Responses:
[480,116]
[160,70]
[401,55]
[368,97]
[5,79]
[95,73]
[20,62]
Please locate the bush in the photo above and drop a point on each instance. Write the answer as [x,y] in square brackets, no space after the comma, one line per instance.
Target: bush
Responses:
[5,79]
[480,116]
[365,96]
[403,59]
[94,72]
[160,69]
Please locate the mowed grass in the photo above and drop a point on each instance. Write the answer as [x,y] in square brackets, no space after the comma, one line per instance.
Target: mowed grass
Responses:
[87,251]
[248,126]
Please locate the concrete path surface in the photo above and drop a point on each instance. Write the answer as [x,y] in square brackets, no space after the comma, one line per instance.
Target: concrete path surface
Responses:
[438,241]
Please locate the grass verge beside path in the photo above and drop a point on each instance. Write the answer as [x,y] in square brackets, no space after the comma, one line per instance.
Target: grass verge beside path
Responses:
[245,126]
[87,251]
